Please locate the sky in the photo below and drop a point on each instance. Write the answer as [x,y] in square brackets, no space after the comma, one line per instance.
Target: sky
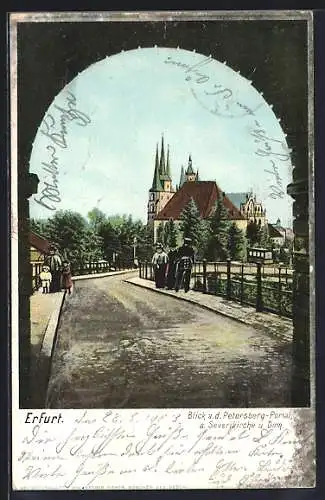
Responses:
[96,144]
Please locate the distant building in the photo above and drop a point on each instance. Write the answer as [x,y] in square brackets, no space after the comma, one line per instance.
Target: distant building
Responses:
[249,207]
[286,232]
[205,194]
[39,247]
[275,235]
[166,203]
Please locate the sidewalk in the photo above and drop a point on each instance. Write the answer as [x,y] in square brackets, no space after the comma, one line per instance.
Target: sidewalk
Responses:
[45,312]
[44,316]
[269,323]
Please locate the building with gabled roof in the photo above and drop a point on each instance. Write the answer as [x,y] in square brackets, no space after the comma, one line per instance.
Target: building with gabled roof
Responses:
[39,247]
[205,194]
[249,206]
[166,204]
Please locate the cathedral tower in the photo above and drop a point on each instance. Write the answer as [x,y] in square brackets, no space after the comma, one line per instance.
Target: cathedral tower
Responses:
[161,190]
[190,175]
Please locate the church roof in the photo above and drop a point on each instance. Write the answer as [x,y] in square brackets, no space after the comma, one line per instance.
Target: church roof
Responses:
[204,193]
[237,198]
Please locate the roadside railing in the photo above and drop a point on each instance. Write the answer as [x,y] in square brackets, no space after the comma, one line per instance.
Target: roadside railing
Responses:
[267,288]
[146,271]
[81,269]
[100,267]
[36,270]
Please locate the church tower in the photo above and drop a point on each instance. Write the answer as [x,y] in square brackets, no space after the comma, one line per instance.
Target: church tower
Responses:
[190,175]
[182,178]
[161,190]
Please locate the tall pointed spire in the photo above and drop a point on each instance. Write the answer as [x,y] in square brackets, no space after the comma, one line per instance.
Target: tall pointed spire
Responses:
[168,164]
[189,170]
[182,178]
[162,165]
[157,158]
[156,184]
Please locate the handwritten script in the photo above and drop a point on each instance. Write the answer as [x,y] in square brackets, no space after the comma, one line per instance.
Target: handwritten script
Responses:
[55,128]
[157,448]
[222,101]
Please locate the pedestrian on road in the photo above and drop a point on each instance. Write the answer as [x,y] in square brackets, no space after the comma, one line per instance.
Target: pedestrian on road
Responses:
[159,264]
[54,261]
[66,277]
[171,271]
[185,260]
[46,278]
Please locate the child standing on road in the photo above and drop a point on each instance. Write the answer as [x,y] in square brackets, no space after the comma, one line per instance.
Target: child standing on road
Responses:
[66,277]
[46,278]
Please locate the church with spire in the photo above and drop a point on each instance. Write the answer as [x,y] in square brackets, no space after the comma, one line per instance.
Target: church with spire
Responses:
[162,189]
[166,203]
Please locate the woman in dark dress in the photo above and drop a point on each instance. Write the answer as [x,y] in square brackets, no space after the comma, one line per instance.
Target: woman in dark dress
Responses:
[159,264]
[171,272]
[185,260]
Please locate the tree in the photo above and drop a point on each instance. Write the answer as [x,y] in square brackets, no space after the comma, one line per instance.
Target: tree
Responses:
[93,246]
[253,233]
[144,249]
[170,234]
[96,217]
[217,248]
[39,226]
[204,239]
[109,240]
[69,230]
[191,222]
[285,255]
[236,242]
[264,239]
[160,233]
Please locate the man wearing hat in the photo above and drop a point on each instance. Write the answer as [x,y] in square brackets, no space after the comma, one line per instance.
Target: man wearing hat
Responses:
[159,264]
[185,260]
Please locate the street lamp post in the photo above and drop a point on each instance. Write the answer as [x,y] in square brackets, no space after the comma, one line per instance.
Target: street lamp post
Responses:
[134,248]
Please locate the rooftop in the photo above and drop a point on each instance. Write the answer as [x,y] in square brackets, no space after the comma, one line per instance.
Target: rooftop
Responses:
[204,193]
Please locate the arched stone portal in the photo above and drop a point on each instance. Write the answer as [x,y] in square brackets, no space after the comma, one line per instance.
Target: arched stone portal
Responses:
[288,96]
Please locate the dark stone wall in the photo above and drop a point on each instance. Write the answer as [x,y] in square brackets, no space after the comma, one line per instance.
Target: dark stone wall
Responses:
[271,53]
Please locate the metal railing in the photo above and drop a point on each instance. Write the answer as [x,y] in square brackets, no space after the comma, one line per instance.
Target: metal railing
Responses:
[267,288]
[146,271]
[81,269]
[100,267]
[36,269]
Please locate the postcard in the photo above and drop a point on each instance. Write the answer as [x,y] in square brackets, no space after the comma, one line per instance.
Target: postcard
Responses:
[162,250]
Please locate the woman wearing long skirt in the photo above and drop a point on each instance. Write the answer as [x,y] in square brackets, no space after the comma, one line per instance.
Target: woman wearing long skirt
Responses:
[66,277]
[159,264]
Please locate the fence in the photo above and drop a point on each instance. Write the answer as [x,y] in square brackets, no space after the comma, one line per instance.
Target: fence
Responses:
[36,269]
[267,288]
[81,269]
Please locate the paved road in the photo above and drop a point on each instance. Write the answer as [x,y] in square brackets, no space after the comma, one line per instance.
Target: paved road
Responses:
[120,346]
